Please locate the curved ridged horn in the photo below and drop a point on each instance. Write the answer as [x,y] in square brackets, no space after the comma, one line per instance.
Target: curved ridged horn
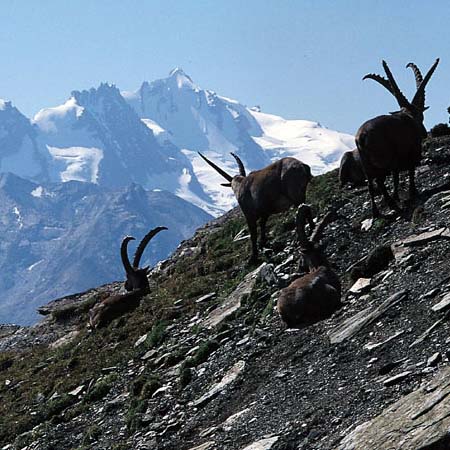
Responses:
[241,166]
[141,247]
[124,254]
[329,217]
[419,78]
[417,74]
[419,98]
[217,168]
[401,99]
[381,80]
[304,215]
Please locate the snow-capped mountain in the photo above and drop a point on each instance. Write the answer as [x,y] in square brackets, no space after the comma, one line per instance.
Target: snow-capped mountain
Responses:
[178,111]
[152,136]
[63,238]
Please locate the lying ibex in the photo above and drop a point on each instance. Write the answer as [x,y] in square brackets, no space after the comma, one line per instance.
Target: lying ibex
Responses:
[393,143]
[136,283]
[268,191]
[350,169]
[317,294]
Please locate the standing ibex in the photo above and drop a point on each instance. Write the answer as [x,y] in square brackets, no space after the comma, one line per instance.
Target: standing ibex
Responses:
[268,191]
[136,283]
[317,294]
[393,143]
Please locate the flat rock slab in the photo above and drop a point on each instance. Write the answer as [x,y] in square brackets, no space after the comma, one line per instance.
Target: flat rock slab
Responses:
[233,302]
[206,446]
[228,378]
[419,420]
[363,318]
[361,285]
[263,444]
[424,238]
[443,304]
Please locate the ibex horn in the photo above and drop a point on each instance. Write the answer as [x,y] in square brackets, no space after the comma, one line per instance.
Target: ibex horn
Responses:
[141,247]
[419,98]
[217,168]
[398,94]
[124,254]
[241,166]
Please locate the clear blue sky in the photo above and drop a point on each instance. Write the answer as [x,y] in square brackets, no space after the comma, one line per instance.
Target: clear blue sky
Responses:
[299,59]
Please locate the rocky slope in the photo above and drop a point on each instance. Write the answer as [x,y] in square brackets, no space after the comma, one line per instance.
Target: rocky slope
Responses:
[205,363]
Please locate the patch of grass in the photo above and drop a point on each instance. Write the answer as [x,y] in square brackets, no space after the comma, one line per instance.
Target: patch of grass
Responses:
[185,375]
[378,224]
[156,335]
[133,418]
[267,312]
[323,189]
[100,389]
[202,354]
[56,406]
[91,434]
[145,385]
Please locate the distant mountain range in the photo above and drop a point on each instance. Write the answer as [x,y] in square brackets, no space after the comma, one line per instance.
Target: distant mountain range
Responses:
[65,238]
[106,163]
[151,137]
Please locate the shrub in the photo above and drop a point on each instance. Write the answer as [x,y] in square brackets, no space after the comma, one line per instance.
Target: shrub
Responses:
[441,129]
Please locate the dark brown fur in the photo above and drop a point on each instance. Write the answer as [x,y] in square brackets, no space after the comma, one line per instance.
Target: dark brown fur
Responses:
[268,191]
[392,143]
[350,169]
[317,294]
[115,306]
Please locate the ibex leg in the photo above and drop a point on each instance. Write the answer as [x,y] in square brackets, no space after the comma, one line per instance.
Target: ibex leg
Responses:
[412,183]
[375,211]
[263,237]
[391,203]
[252,227]
[396,177]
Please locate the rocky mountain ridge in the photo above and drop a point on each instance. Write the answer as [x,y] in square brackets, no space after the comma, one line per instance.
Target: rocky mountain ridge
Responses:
[205,363]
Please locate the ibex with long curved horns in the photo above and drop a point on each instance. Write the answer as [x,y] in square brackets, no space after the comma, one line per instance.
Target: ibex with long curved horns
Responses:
[265,192]
[136,283]
[393,143]
[317,294]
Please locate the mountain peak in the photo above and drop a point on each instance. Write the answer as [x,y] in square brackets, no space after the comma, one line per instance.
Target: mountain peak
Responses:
[4,104]
[181,78]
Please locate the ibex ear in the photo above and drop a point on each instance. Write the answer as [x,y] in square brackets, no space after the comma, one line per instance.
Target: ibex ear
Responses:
[226,184]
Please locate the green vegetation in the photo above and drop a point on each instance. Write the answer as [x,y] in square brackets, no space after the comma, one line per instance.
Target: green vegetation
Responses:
[100,389]
[91,434]
[156,335]
[323,190]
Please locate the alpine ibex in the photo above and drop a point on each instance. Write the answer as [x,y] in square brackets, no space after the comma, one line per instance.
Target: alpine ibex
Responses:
[265,192]
[136,283]
[350,169]
[317,294]
[393,143]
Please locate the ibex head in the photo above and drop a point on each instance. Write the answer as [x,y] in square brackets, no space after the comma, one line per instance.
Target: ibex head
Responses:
[312,253]
[232,181]
[137,277]
[416,107]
